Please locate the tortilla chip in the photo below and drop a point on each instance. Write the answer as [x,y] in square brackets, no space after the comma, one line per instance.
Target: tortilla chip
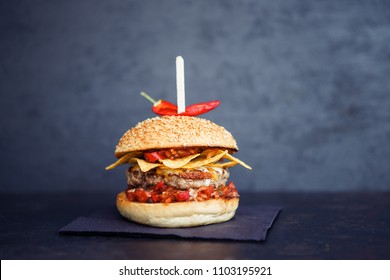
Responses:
[179,162]
[210,152]
[146,166]
[201,161]
[209,157]
[223,165]
[232,158]
[124,159]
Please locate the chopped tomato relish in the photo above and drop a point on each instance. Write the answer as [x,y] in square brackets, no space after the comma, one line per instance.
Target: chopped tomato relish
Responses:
[153,156]
[167,194]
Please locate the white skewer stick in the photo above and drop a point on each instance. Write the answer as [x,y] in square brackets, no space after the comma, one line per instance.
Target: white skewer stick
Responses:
[181,97]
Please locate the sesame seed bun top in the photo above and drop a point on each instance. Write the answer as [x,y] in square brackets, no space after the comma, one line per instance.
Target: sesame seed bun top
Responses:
[174,132]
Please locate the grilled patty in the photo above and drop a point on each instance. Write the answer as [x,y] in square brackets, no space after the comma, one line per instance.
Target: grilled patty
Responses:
[181,179]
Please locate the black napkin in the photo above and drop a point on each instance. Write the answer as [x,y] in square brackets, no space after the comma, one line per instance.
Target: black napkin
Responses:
[249,224]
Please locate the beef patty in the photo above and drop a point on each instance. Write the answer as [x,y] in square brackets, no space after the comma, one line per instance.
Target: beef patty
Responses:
[178,178]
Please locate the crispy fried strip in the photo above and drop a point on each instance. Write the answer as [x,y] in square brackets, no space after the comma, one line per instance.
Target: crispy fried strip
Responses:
[232,158]
[223,165]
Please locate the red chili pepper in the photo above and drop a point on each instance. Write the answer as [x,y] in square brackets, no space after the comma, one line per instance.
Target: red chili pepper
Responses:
[200,108]
[162,107]
[165,108]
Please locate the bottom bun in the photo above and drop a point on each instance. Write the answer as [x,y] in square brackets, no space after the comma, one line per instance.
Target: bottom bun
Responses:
[178,214]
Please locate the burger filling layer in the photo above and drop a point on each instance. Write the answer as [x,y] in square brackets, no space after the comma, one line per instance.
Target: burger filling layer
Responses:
[182,179]
[177,175]
[161,193]
[164,185]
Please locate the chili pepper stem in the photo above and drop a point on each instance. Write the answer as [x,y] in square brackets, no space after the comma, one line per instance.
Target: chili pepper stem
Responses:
[144,94]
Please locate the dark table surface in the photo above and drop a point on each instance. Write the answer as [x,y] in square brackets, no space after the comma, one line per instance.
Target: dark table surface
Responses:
[310,226]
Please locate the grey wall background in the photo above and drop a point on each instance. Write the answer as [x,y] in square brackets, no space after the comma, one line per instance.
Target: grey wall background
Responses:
[304,87]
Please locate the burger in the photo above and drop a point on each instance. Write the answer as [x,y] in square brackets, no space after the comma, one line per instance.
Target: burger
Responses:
[178,172]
